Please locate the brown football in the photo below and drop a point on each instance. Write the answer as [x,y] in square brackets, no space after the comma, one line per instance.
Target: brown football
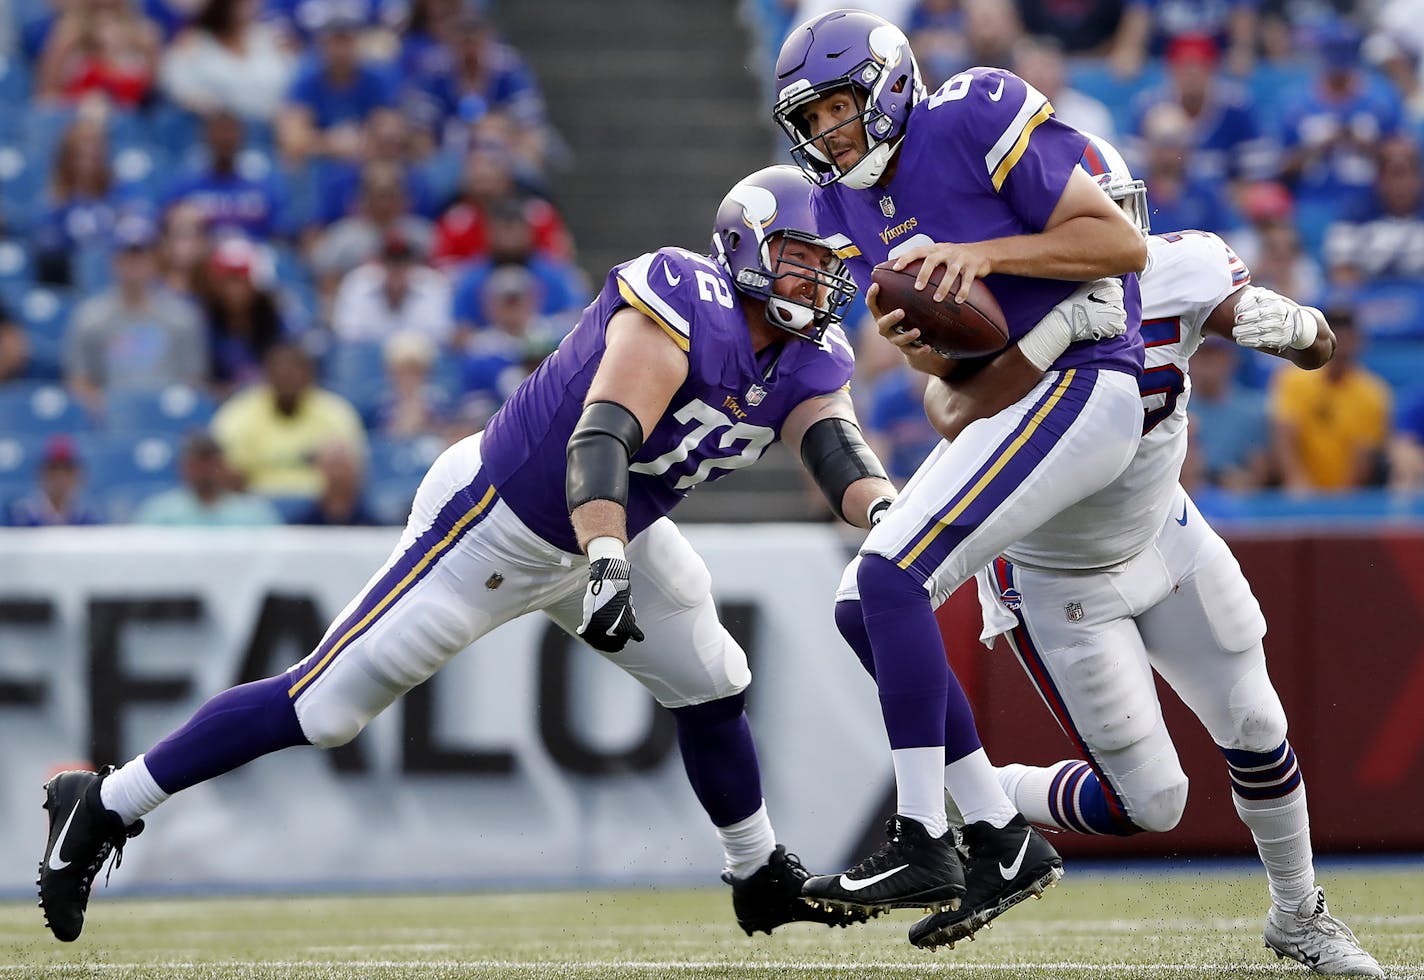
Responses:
[959,330]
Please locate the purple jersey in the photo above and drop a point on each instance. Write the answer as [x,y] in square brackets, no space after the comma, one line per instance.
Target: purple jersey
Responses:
[728,410]
[982,158]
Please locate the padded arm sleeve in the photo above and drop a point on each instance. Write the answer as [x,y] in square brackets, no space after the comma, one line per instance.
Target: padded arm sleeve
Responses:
[835,454]
[606,438]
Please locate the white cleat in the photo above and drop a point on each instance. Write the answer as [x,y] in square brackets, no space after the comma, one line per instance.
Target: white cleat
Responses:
[1312,936]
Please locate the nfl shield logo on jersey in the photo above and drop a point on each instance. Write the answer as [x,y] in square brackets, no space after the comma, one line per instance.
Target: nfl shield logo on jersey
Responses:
[887,206]
[755,394]
[1074,612]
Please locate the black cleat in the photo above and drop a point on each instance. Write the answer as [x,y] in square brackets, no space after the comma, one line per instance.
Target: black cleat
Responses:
[82,834]
[1004,867]
[910,870]
[772,897]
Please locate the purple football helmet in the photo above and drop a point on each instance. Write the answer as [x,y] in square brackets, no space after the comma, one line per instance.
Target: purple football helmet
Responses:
[777,202]
[855,50]
[1105,164]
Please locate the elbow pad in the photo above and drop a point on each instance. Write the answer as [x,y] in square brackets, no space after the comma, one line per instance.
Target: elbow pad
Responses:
[835,454]
[604,441]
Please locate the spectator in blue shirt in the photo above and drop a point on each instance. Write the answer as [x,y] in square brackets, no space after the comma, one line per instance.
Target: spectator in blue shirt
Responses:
[1233,432]
[386,137]
[1332,135]
[1385,240]
[1150,27]
[559,285]
[1178,198]
[228,200]
[333,94]
[1228,141]
[896,424]
[57,500]
[82,203]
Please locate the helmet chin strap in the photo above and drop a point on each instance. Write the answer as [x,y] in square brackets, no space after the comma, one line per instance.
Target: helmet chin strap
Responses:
[868,168]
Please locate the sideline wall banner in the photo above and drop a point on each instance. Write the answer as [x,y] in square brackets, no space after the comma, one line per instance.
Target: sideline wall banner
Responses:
[527,760]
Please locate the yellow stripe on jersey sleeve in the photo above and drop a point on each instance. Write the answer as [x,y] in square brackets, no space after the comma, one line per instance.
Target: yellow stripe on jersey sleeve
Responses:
[633,300]
[849,252]
[1001,173]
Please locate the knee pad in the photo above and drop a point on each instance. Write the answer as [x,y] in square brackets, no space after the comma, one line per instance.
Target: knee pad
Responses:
[1161,808]
[1258,721]
[328,724]
[1149,781]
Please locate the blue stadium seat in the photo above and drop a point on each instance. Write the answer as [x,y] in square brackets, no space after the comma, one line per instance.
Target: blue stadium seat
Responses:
[1399,362]
[390,499]
[21,182]
[36,408]
[19,462]
[16,264]
[401,459]
[356,371]
[128,460]
[44,127]
[171,411]
[45,309]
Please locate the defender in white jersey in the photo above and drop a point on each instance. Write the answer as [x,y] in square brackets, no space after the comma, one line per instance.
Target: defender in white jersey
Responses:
[1133,580]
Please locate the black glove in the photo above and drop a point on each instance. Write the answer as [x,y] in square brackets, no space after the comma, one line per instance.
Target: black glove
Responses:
[608,620]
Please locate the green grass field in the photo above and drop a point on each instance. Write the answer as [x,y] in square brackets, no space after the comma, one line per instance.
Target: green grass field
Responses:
[1191,925]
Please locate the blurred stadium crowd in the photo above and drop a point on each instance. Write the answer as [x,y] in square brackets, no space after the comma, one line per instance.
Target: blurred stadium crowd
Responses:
[262,259]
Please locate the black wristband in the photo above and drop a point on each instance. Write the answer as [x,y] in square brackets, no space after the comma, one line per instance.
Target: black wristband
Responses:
[835,453]
[603,442]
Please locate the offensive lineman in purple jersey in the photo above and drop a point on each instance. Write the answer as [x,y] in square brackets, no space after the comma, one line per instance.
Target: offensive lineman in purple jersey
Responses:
[683,369]
[1158,591]
[980,179]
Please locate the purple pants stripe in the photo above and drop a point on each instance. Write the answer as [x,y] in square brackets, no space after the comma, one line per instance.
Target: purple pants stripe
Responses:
[1004,472]
[461,512]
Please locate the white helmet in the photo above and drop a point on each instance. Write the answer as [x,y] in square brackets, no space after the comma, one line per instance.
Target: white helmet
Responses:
[1105,164]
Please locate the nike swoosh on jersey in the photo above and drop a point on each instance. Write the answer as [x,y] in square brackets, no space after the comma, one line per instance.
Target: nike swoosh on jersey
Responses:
[59,841]
[852,885]
[998,93]
[671,279]
[1008,873]
[1183,519]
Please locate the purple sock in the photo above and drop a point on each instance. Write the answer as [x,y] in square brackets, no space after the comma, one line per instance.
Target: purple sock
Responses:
[960,734]
[228,731]
[920,697]
[720,758]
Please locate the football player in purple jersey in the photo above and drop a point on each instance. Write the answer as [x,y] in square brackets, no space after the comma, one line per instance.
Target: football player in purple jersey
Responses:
[684,368]
[980,180]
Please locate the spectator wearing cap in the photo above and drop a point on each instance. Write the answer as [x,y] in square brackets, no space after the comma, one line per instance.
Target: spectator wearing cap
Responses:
[333,94]
[1232,432]
[384,211]
[56,499]
[411,406]
[226,59]
[230,200]
[398,292]
[244,314]
[1178,198]
[1227,140]
[342,500]
[1384,242]
[81,203]
[135,334]
[1332,134]
[560,287]
[515,338]
[1330,427]
[1039,61]
[1149,28]
[206,497]
[476,73]
[271,432]
[489,179]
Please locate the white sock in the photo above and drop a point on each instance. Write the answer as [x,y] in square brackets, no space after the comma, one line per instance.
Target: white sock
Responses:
[747,843]
[1027,787]
[976,790]
[919,788]
[131,791]
[1281,828]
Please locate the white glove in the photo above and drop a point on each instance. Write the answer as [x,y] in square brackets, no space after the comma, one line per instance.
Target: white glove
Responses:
[1269,321]
[1094,311]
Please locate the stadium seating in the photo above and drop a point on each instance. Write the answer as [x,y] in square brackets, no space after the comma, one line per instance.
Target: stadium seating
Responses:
[172,411]
[38,408]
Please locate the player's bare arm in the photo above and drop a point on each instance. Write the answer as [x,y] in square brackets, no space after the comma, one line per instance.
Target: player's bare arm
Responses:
[1087,237]
[641,370]
[824,432]
[1264,320]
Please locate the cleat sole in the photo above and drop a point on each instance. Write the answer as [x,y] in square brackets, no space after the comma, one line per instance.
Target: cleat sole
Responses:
[966,928]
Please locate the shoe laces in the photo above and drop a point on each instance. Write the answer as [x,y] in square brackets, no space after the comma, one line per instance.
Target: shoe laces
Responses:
[114,845]
[791,864]
[1325,923]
